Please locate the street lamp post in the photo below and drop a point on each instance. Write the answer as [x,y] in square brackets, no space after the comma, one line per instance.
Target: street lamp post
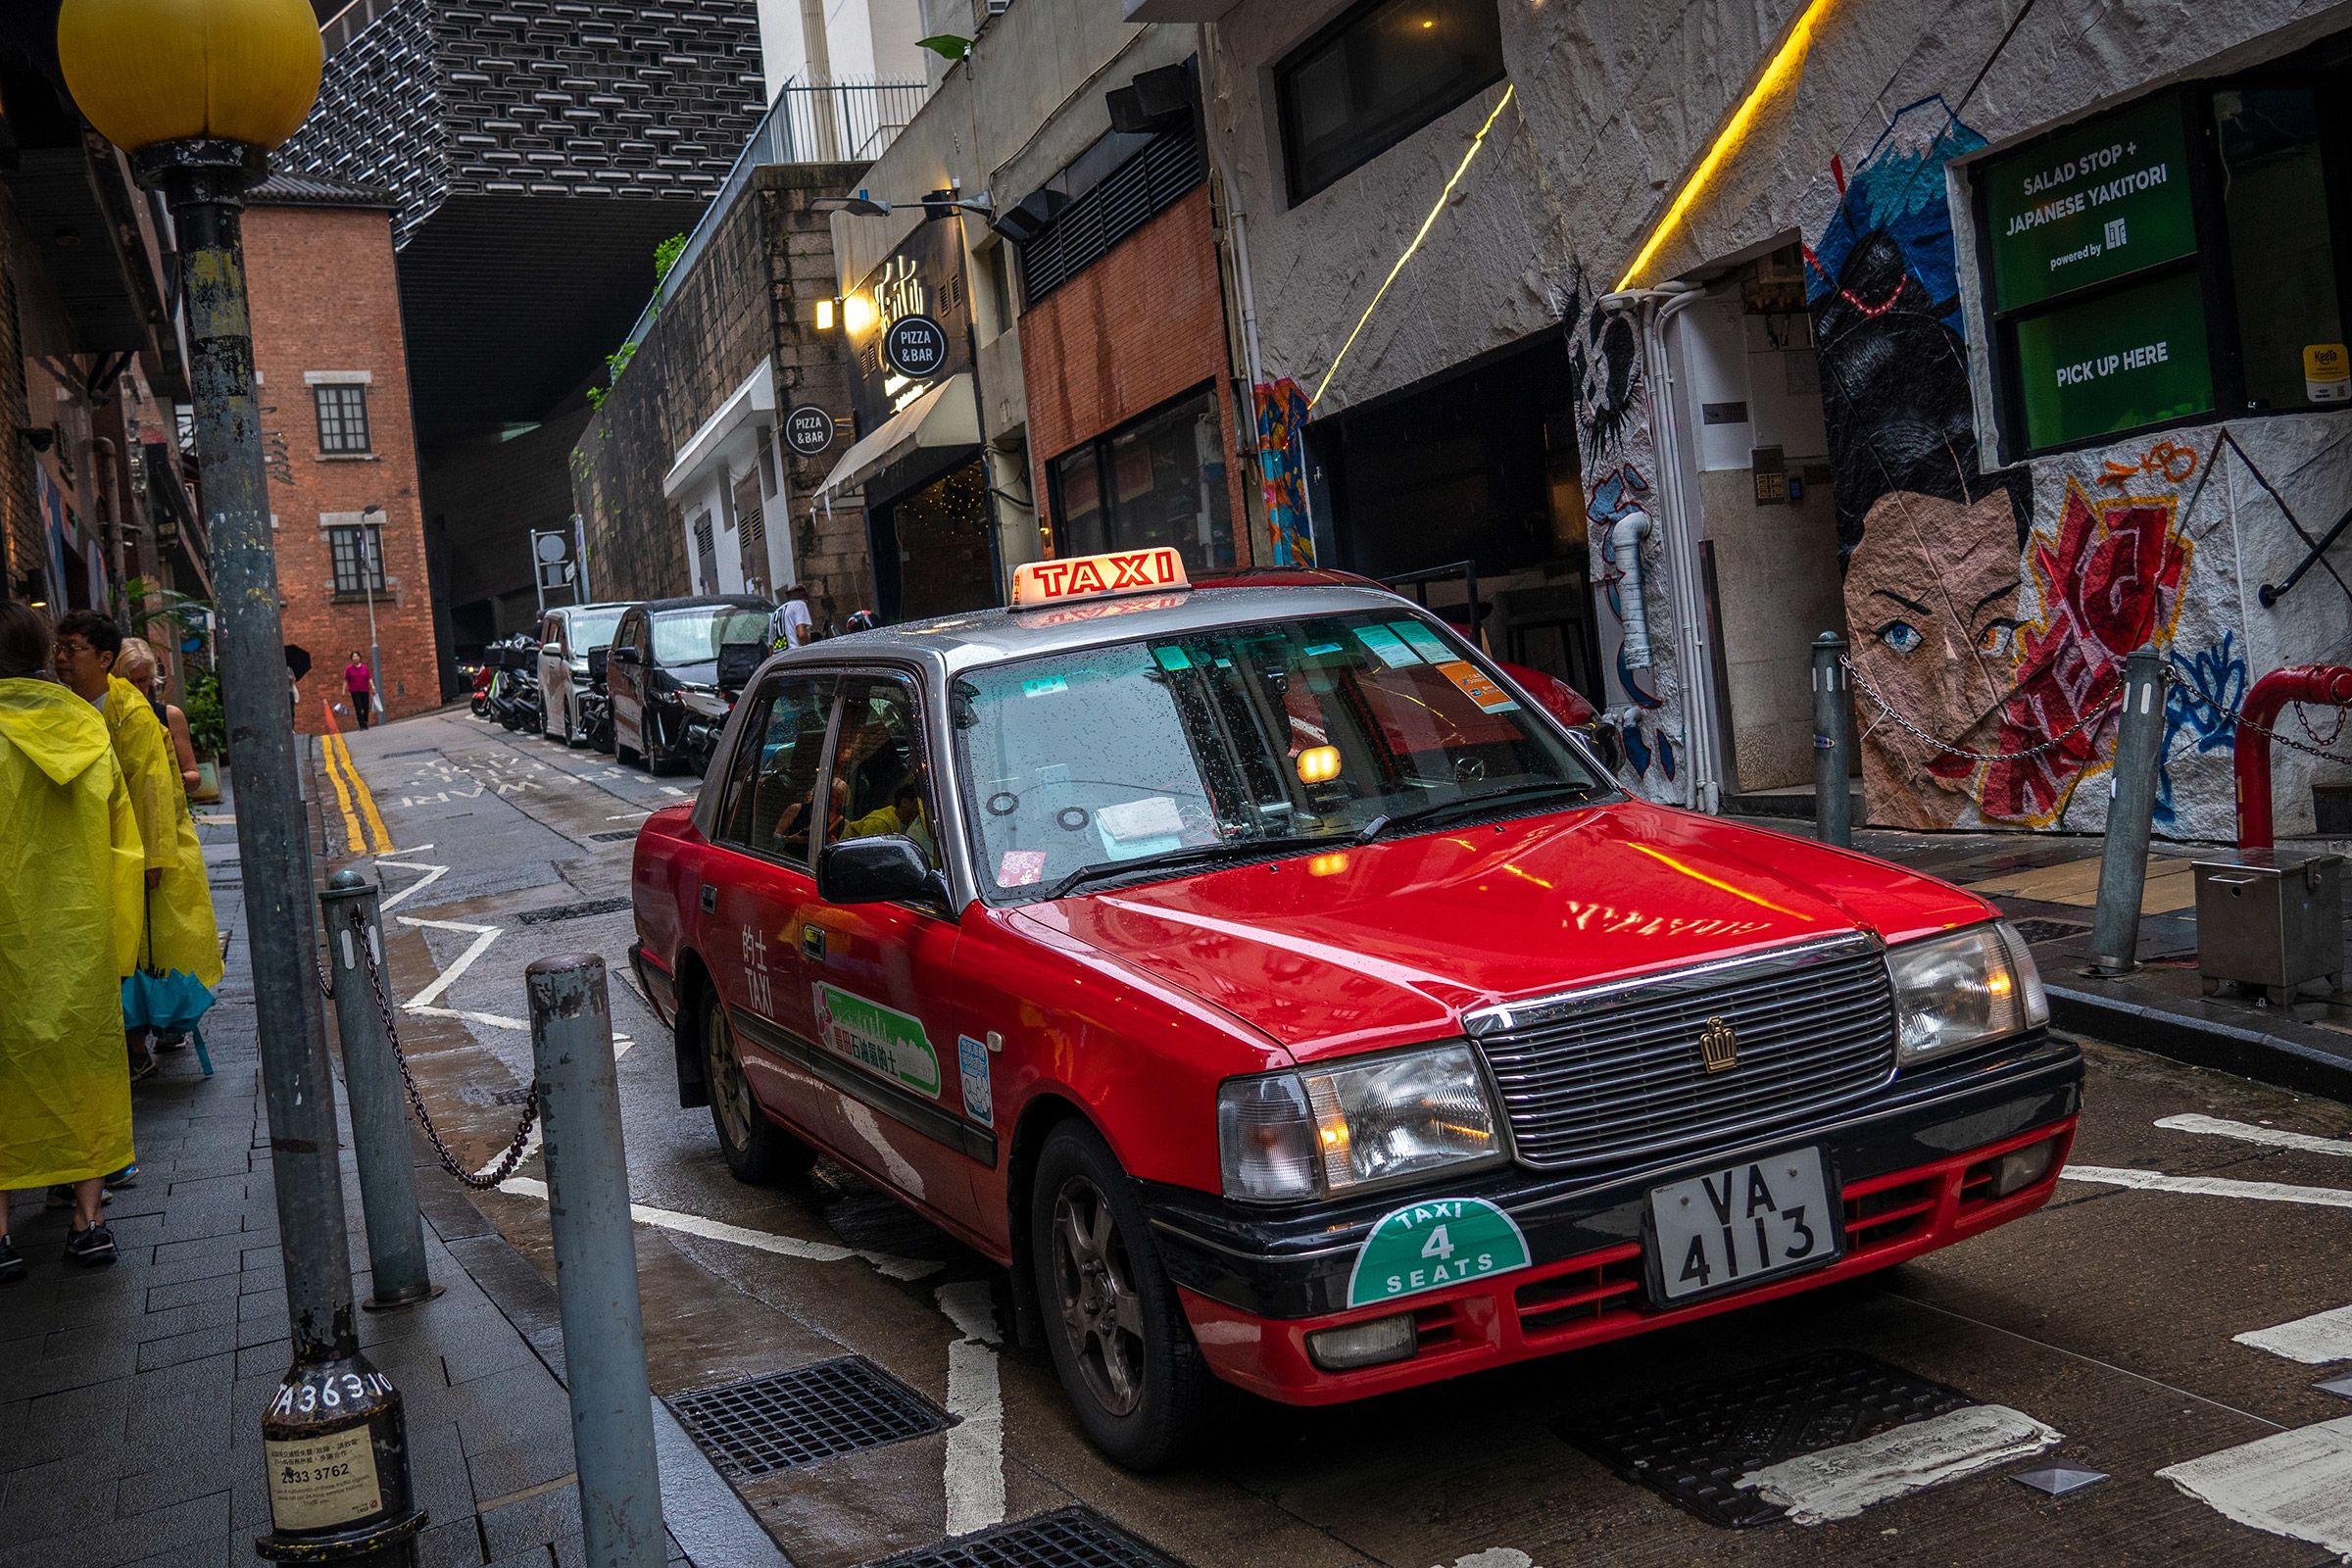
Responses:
[367,572]
[198,91]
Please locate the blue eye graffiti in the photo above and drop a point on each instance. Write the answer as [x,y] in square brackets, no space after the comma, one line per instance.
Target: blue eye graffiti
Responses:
[1900,636]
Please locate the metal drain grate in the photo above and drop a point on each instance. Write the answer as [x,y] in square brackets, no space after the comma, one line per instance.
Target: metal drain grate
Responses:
[572,911]
[616,836]
[2039,930]
[1068,1538]
[763,1425]
[1693,1443]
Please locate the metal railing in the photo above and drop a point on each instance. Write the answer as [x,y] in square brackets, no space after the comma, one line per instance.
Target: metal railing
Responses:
[833,123]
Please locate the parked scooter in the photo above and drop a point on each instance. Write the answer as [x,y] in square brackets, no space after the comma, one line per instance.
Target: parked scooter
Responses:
[596,703]
[484,677]
[514,696]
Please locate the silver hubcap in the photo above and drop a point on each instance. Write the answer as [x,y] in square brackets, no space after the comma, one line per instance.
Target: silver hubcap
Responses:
[1102,1314]
[731,1096]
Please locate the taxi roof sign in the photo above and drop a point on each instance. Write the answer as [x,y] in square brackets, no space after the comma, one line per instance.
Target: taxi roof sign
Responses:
[1038,583]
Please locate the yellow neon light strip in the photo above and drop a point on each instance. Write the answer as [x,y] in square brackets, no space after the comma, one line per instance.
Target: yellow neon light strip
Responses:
[1785,63]
[1716,883]
[1427,224]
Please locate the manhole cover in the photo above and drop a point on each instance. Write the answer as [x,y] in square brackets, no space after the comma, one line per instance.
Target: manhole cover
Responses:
[613,837]
[2039,930]
[1693,1443]
[772,1423]
[573,912]
[1068,1538]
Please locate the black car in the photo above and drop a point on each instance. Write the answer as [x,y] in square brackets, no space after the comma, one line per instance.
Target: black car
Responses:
[669,703]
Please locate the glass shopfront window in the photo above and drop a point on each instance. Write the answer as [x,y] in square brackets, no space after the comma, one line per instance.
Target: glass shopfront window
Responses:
[1159,480]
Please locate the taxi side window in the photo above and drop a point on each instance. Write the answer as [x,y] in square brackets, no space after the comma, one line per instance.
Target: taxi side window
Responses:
[881,783]
[773,784]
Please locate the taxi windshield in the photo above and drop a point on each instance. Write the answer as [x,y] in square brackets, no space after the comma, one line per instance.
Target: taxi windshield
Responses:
[1274,734]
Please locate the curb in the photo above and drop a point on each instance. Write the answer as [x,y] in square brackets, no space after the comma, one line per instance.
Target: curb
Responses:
[2267,1058]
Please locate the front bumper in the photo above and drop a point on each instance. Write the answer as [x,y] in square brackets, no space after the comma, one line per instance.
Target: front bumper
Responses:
[1910,1164]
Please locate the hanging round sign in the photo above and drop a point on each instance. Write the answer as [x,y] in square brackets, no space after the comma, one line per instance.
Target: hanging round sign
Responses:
[808,429]
[917,347]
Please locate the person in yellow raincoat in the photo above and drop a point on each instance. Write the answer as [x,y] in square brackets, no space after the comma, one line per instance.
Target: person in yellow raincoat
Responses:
[71,900]
[181,936]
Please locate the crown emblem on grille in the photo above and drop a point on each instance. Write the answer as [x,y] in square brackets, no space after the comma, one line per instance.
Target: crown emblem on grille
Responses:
[1719,1046]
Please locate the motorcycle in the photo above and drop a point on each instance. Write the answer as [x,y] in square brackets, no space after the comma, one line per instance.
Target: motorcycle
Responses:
[514,700]
[596,703]
[484,677]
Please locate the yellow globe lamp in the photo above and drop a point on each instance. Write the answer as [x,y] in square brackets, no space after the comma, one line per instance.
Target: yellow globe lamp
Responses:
[145,72]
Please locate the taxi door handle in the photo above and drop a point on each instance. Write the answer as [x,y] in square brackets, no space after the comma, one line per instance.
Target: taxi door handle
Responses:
[812,942]
[710,899]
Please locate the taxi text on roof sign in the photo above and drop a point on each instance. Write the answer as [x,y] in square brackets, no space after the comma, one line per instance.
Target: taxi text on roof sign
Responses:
[1122,571]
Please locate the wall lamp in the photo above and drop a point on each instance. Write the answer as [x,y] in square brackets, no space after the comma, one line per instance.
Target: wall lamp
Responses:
[935,204]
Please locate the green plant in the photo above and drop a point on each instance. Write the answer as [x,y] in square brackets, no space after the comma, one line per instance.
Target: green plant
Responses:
[665,256]
[207,725]
[183,613]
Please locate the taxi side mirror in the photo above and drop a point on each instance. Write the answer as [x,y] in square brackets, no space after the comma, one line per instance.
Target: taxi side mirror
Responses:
[884,869]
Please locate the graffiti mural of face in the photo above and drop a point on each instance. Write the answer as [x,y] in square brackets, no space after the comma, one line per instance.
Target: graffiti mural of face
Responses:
[1930,602]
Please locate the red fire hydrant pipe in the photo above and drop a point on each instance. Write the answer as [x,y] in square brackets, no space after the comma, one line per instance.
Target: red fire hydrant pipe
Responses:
[2329,685]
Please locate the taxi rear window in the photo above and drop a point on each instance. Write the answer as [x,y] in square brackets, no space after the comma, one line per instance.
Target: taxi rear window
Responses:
[1267,734]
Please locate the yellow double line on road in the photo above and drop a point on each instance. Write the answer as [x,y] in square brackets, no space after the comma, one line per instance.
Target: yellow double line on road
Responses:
[351,791]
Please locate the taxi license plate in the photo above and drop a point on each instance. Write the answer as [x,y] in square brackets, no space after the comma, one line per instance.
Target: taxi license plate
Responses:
[1727,1228]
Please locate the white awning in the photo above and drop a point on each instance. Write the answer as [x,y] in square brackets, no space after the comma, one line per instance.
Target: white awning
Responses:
[725,436]
[947,415]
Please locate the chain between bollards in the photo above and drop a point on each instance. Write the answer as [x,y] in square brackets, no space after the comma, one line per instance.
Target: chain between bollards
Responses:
[595,1263]
[2131,816]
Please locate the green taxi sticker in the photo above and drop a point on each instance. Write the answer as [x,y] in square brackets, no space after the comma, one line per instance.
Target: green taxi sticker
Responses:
[1429,1245]
[882,1040]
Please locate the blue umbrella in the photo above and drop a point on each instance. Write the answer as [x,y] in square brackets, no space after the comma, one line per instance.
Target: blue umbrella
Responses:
[167,1004]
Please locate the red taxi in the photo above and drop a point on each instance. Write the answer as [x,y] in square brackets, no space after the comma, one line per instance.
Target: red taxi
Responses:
[1286,999]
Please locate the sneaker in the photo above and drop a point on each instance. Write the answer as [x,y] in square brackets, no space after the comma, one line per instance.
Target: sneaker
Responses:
[91,1248]
[127,1176]
[12,1263]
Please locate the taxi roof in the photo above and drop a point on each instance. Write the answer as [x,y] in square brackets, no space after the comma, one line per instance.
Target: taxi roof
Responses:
[978,638]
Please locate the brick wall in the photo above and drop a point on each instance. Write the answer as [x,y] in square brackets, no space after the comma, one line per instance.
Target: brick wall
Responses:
[325,299]
[1142,326]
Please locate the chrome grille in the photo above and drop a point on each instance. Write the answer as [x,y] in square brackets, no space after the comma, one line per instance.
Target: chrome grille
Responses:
[1616,1071]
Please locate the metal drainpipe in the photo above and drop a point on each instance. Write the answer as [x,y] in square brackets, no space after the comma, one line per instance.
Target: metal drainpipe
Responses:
[1680,529]
[102,453]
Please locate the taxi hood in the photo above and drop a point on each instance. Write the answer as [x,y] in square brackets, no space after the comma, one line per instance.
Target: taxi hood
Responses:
[1389,944]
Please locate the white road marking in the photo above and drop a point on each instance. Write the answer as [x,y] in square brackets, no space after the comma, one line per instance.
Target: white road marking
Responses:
[671,789]
[1494,1558]
[886,1263]
[2156,1181]
[2316,1340]
[1840,1483]
[2247,1131]
[631,816]
[2295,1484]
[975,1471]
[432,874]
[485,934]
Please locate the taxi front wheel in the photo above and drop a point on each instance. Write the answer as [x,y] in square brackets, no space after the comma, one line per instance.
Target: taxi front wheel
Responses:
[1124,1353]
[755,1149]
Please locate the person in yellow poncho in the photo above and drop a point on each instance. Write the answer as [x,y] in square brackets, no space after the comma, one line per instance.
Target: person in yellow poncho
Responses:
[181,936]
[71,902]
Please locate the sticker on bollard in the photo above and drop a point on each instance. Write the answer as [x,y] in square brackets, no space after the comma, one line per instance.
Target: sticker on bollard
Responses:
[321,1482]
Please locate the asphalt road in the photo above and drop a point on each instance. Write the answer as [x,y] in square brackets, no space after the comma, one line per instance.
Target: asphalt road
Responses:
[2110,1318]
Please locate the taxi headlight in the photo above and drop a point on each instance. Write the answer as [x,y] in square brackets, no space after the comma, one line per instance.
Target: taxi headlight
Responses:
[1966,989]
[1333,1129]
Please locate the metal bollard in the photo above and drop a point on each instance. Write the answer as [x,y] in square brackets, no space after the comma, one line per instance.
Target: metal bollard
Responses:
[595,1263]
[1832,743]
[2131,816]
[379,1111]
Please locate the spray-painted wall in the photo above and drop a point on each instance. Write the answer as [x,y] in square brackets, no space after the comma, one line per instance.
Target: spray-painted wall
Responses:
[2039,574]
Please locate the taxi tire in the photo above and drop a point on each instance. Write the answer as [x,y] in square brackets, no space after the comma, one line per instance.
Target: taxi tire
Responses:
[768,1155]
[1171,1418]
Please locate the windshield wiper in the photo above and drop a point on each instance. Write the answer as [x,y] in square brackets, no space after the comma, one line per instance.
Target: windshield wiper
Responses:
[1190,854]
[1389,821]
